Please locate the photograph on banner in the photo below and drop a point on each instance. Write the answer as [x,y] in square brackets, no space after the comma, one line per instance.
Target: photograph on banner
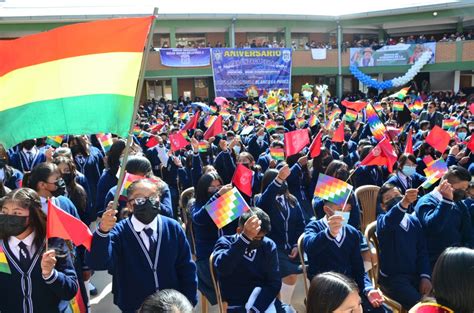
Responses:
[400,54]
[188,57]
[242,73]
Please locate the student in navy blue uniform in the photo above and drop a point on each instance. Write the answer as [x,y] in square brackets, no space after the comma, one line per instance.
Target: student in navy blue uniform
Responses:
[224,163]
[444,217]
[141,166]
[287,223]
[27,157]
[33,279]
[108,178]
[9,176]
[209,188]
[265,160]
[247,266]
[258,144]
[298,181]
[405,176]
[144,253]
[339,170]
[247,160]
[332,245]
[89,161]
[405,272]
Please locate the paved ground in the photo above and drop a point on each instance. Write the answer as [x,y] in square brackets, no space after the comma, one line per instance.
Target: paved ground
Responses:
[103,303]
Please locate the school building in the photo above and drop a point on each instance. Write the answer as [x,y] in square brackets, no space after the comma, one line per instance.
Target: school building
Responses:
[333,36]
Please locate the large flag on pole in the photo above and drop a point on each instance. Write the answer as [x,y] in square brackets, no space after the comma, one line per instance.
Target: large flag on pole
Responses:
[80,78]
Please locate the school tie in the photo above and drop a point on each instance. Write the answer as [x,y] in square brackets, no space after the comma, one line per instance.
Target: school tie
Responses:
[152,241]
[30,157]
[24,256]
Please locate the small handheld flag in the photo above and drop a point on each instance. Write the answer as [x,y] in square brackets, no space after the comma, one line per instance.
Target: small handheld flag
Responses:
[227,208]
[54,141]
[332,189]
[398,106]
[4,267]
[277,154]
[105,140]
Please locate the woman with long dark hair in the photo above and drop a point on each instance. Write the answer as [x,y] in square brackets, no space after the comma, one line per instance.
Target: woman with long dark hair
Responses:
[31,278]
[332,292]
[287,223]
[208,189]
[9,176]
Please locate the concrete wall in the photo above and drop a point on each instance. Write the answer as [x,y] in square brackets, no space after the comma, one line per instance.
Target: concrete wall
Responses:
[441,81]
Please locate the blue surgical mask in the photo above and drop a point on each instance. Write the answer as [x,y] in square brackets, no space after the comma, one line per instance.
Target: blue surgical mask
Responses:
[345,215]
[260,138]
[462,135]
[409,170]
[237,149]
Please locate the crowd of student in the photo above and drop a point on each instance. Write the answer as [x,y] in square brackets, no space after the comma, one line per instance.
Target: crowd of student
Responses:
[142,243]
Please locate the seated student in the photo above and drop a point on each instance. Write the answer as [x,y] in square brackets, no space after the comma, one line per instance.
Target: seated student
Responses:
[265,160]
[166,301]
[344,295]
[144,253]
[405,273]
[287,223]
[367,174]
[31,278]
[444,217]
[405,176]
[247,266]
[332,245]
[453,283]
[224,163]
[469,201]
[139,165]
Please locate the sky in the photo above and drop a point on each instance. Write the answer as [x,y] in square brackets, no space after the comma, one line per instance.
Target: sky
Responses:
[283,7]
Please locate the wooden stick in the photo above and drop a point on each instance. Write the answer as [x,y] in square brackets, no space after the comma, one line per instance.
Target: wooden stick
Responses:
[136,104]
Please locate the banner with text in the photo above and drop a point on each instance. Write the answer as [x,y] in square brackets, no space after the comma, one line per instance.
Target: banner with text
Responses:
[187,57]
[241,73]
[400,54]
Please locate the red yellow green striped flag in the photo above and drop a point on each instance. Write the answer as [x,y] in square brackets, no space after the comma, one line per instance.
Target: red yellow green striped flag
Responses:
[54,141]
[202,146]
[4,267]
[277,154]
[398,106]
[105,140]
[82,79]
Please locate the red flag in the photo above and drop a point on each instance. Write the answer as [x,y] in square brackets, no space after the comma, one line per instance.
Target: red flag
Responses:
[409,143]
[295,141]
[427,160]
[152,142]
[215,129]
[356,106]
[63,225]
[438,138]
[243,179]
[470,144]
[339,133]
[156,128]
[471,108]
[192,123]
[315,148]
[382,154]
[177,141]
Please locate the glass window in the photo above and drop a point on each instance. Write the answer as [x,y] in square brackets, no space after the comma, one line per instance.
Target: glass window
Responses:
[298,40]
[201,87]
[190,40]
[161,40]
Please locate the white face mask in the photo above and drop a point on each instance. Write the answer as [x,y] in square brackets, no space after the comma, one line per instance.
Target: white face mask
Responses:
[237,149]
[345,215]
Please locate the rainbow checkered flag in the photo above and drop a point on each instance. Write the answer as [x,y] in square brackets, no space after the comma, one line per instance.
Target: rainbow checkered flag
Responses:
[333,190]
[227,208]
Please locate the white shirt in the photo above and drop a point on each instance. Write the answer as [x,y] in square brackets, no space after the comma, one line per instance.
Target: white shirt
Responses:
[139,227]
[2,174]
[28,241]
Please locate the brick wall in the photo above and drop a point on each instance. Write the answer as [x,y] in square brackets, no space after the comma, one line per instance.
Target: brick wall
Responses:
[240,38]
[445,52]
[213,38]
[468,50]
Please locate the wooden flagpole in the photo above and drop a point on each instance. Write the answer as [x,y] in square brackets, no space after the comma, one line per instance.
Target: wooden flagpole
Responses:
[136,105]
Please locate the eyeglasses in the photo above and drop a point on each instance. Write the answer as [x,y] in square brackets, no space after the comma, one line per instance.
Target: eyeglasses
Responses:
[141,200]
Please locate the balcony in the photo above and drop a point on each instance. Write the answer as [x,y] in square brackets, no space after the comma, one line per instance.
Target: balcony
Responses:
[449,56]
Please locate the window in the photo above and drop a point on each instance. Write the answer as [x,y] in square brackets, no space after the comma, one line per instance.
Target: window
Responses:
[201,87]
[159,40]
[264,38]
[190,40]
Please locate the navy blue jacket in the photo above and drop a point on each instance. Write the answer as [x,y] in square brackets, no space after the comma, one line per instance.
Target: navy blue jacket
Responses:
[367,175]
[240,271]
[402,245]
[106,181]
[415,181]
[19,160]
[12,178]
[445,223]
[135,275]
[28,291]
[225,166]
[354,217]
[287,221]
[256,149]
[326,254]
[92,167]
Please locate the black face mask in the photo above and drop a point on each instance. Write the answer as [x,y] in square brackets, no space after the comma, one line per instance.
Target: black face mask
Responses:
[12,225]
[254,244]
[147,211]
[61,188]
[392,202]
[458,195]
[68,178]
[325,162]
[3,163]
[342,175]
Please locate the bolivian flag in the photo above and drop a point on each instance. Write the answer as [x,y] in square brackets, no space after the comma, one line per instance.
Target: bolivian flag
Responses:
[76,79]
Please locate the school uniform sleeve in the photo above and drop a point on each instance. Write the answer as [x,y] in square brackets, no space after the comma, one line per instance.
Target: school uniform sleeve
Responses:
[295,172]
[165,201]
[316,244]
[104,249]
[227,255]
[434,216]
[272,285]
[225,166]
[268,196]
[392,219]
[264,162]
[196,169]
[186,268]
[422,258]
[467,230]
[358,271]
[63,279]
[451,160]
